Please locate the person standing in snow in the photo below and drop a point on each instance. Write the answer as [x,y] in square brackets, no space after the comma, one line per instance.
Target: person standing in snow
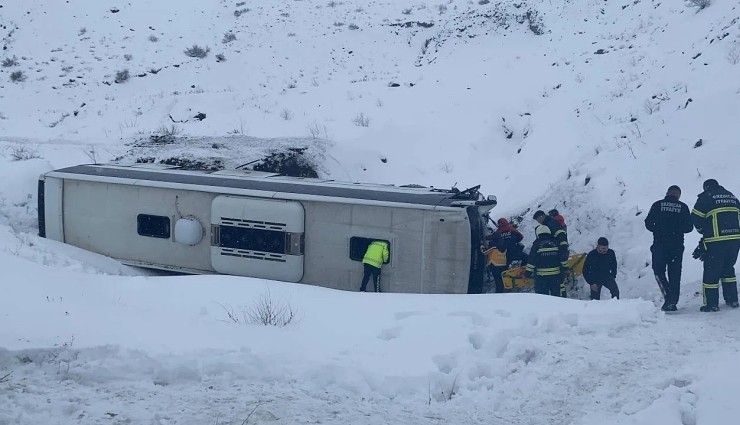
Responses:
[558,217]
[561,239]
[600,269]
[669,219]
[544,265]
[376,255]
[716,215]
[495,261]
[509,241]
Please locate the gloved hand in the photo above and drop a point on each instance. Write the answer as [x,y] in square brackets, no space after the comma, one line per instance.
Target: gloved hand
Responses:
[699,251]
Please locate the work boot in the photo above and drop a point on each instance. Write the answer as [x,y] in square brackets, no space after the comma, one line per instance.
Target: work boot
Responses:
[669,307]
[708,308]
[734,304]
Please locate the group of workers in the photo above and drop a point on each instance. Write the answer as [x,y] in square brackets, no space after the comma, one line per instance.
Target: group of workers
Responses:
[716,216]
[547,262]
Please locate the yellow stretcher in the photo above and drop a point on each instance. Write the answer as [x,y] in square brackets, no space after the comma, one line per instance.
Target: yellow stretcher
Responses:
[515,281]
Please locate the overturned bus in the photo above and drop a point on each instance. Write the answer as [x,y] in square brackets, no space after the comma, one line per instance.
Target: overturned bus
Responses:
[266,225]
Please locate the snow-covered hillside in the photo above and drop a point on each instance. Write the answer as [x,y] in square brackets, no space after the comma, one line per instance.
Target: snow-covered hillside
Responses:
[593,107]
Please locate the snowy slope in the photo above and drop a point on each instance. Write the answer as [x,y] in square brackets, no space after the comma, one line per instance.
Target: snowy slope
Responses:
[596,116]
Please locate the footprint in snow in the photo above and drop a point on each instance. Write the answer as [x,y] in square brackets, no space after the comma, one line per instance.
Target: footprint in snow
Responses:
[476,340]
[390,333]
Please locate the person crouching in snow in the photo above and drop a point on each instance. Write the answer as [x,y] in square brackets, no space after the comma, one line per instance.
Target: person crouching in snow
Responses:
[600,269]
[543,263]
[376,255]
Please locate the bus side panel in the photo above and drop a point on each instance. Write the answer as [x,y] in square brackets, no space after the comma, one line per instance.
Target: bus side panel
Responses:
[103,218]
[446,252]
[330,228]
[53,218]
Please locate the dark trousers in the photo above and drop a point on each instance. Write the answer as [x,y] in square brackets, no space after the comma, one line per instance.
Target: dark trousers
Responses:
[368,272]
[610,284]
[498,279]
[549,285]
[668,257]
[719,265]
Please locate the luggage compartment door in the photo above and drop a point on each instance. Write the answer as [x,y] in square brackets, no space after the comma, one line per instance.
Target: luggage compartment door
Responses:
[257,237]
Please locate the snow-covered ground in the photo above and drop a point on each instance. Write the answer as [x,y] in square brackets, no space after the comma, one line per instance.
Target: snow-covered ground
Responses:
[596,116]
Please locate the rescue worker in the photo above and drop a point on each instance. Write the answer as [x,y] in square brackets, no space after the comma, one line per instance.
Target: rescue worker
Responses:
[668,220]
[558,217]
[600,269]
[509,241]
[561,239]
[544,264]
[496,262]
[376,255]
[716,215]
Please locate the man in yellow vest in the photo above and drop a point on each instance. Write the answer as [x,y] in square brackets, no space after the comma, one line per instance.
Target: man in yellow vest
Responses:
[496,263]
[376,255]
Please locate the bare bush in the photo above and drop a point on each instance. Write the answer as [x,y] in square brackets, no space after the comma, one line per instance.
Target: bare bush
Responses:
[733,55]
[128,56]
[17,76]
[228,37]
[406,11]
[23,153]
[5,377]
[240,12]
[361,120]
[153,38]
[482,2]
[332,4]
[353,27]
[286,114]
[197,52]
[264,311]
[220,57]
[700,4]
[165,135]
[315,130]
[122,76]
[651,107]
[8,62]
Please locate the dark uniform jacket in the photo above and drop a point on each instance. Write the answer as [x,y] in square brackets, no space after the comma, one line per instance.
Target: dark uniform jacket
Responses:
[507,237]
[544,257]
[561,237]
[716,215]
[669,219]
[600,267]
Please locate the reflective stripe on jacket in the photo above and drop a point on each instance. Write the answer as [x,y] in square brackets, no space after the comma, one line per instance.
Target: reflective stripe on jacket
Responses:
[716,215]
[544,258]
[376,254]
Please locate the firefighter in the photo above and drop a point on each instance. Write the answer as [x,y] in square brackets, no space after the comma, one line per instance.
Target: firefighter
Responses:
[509,241]
[716,215]
[558,217]
[561,239]
[669,219]
[600,269]
[376,255]
[544,264]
